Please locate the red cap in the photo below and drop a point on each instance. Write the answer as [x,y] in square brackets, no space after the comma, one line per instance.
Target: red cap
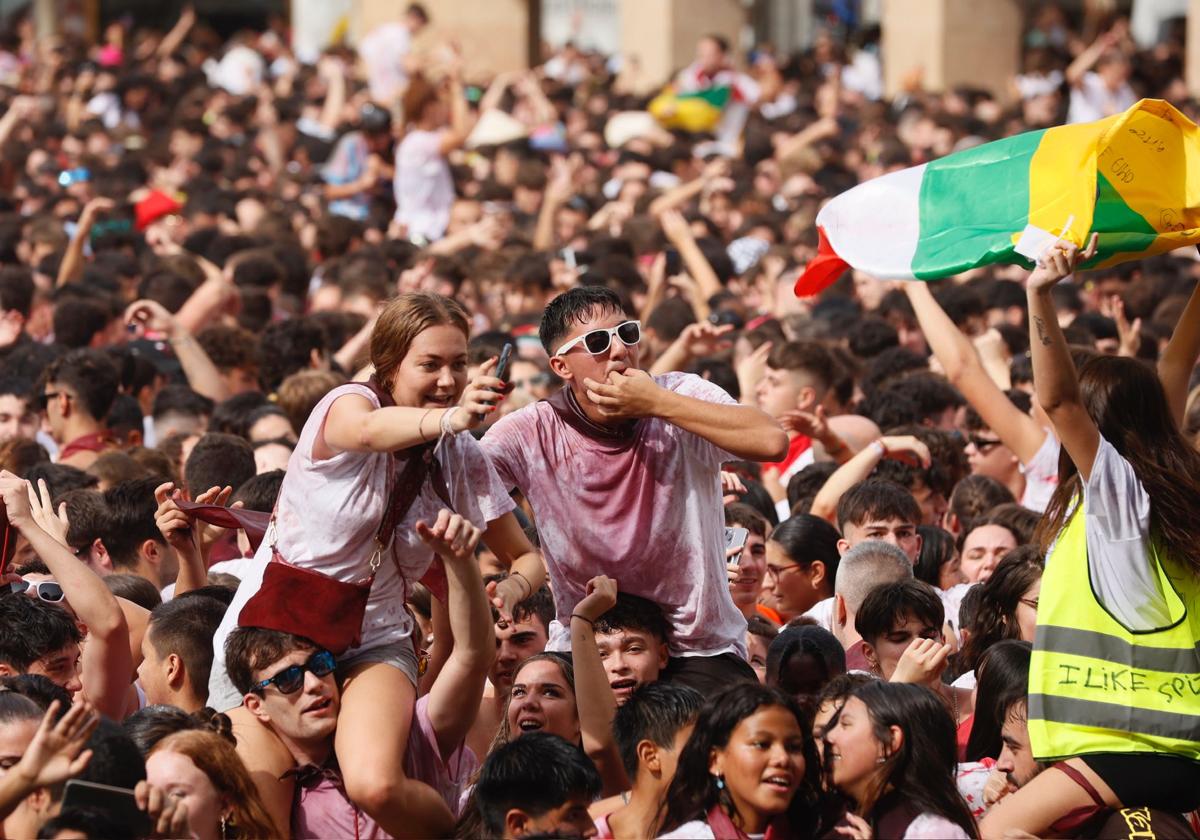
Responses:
[823,270]
[153,207]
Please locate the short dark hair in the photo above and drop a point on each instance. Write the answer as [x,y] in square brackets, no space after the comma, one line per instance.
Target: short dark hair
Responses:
[250,649]
[539,604]
[889,602]
[135,589]
[654,712]
[129,520]
[92,375]
[116,759]
[180,399]
[185,627]
[39,688]
[574,307]
[287,347]
[87,514]
[805,538]
[259,492]
[229,347]
[632,612]
[975,496]
[806,356]
[743,516]
[76,322]
[803,486]
[218,460]
[16,289]
[31,629]
[537,773]
[876,498]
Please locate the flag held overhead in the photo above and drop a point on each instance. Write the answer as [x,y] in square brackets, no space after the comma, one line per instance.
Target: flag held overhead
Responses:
[1133,178]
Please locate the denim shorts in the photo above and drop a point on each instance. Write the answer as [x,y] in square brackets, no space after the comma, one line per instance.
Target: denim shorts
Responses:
[399,655]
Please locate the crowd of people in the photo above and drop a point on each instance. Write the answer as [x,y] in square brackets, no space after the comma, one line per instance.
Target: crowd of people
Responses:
[488,400]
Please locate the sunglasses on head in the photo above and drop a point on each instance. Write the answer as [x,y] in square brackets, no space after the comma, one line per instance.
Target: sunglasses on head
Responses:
[46,590]
[291,679]
[597,342]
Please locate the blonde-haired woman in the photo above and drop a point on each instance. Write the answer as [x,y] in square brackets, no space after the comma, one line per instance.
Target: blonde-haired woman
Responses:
[332,502]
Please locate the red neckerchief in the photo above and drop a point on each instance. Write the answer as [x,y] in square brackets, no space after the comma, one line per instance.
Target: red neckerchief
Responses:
[95,442]
[724,829]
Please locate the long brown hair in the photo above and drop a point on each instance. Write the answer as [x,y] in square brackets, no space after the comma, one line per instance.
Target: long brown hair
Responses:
[996,617]
[402,320]
[216,758]
[1127,403]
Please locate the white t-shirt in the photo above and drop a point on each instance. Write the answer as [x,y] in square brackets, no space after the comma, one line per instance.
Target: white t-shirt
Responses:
[1117,508]
[648,515]
[423,185]
[1041,474]
[327,515]
[383,51]
[1092,100]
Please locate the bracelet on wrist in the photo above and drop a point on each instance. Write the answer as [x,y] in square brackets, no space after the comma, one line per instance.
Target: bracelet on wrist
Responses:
[421,425]
[583,618]
[446,427]
[880,447]
[528,585]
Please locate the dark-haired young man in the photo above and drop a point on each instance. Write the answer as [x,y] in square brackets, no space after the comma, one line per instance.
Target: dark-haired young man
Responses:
[892,617]
[177,652]
[131,537]
[516,641]
[79,388]
[622,471]
[39,638]
[632,640]
[651,729]
[538,784]
[18,420]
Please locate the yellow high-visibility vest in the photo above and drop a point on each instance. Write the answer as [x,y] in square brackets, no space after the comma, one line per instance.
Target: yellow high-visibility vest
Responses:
[1098,687]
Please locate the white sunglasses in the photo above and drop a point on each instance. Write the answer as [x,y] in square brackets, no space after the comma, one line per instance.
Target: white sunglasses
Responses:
[597,342]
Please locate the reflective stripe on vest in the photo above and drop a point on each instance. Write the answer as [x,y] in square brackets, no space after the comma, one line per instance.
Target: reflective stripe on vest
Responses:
[1096,686]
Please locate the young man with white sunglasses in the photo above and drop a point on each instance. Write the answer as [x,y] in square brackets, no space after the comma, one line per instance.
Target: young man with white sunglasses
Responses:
[622,470]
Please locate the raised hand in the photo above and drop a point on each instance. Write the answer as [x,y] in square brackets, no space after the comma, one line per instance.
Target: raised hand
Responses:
[56,752]
[922,662]
[451,537]
[907,450]
[481,398]
[42,509]
[1059,261]
[14,492]
[600,597]
[167,814]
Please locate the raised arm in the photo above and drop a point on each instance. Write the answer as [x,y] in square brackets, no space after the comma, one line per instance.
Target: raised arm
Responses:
[965,370]
[202,375]
[1055,382]
[593,695]
[904,448]
[72,262]
[740,430]
[107,664]
[454,539]
[680,234]
[175,38]
[355,425]
[1176,363]
[526,571]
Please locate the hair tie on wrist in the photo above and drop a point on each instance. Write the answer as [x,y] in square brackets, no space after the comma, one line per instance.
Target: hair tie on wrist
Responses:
[583,618]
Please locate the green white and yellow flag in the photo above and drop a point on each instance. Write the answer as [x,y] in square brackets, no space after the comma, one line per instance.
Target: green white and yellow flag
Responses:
[1133,178]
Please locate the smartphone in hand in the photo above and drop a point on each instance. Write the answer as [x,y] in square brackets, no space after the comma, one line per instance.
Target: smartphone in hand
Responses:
[504,363]
[735,538]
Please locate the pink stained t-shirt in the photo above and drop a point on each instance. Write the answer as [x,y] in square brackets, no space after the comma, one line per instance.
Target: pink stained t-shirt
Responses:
[648,514]
[329,511]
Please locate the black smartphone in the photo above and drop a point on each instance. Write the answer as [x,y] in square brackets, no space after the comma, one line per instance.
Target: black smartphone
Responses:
[674,262]
[117,803]
[505,360]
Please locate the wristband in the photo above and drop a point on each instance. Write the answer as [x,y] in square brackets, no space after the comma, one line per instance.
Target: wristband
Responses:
[582,618]
[528,585]
[880,447]
[446,428]
[421,425]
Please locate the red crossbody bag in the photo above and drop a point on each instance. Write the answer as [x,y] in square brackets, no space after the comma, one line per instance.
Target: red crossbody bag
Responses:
[328,611]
